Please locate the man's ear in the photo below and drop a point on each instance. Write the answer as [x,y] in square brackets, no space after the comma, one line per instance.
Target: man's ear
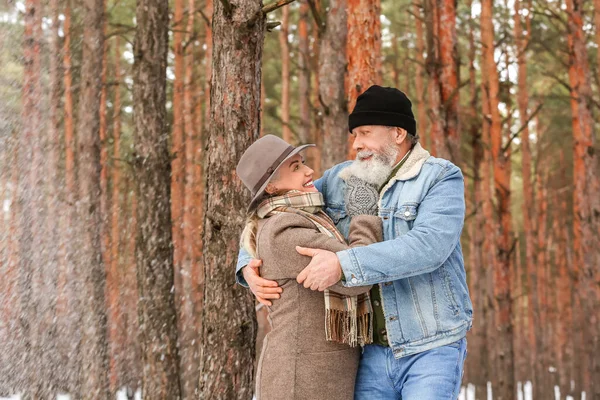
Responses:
[400,135]
[270,189]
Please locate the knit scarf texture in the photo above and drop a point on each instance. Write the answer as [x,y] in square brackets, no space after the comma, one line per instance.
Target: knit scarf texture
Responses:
[348,319]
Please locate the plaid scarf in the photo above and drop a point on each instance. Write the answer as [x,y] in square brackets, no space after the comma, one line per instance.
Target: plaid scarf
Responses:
[348,319]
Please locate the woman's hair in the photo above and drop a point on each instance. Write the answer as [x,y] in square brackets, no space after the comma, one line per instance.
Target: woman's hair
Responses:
[248,240]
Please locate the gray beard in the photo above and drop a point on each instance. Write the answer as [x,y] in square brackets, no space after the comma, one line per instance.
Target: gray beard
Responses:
[375,171]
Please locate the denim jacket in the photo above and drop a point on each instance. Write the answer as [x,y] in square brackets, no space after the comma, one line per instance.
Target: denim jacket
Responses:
[419,266]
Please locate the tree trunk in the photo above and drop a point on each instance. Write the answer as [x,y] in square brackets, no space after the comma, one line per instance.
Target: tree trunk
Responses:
[503,352]
[30,192]
[229,327]
[420,74]
[363,51]
[332,93]
[477,271]
[67,275]
[188,347]
[442,68]
[522,40]
[304,76]
[94,372]
[154,254]
[104,204]
[586,207]
[178,156]
[285,76]
[113,276]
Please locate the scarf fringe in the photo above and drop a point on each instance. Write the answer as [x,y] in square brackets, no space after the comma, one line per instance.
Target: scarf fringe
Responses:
[348,328]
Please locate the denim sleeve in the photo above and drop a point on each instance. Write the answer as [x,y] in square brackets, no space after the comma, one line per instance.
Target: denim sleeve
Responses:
[243,259]
[435,234]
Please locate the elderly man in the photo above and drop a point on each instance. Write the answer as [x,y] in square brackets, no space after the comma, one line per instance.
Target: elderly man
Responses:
[422,309]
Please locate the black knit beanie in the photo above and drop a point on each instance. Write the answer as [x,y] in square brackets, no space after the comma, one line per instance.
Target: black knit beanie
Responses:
[383,106]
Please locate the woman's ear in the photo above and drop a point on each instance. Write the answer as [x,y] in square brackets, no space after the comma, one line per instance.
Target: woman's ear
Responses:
[400,135]
[270,189]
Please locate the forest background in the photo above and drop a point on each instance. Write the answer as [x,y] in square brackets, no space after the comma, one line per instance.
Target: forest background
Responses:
[121,124]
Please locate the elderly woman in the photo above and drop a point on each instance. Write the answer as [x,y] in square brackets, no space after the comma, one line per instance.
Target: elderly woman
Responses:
[311,351]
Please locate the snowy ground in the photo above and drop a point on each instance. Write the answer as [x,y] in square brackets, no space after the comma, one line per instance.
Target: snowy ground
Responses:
[466,393]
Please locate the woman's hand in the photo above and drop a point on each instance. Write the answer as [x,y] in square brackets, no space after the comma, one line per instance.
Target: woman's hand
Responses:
[263,289]
[361,198]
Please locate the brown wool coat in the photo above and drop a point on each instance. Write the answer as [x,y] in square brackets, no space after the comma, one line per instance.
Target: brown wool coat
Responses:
[296,361]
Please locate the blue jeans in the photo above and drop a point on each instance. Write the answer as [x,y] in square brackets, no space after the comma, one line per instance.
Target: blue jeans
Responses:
[435,374]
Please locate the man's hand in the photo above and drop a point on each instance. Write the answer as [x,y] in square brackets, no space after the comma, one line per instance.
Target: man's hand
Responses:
[263,289]
[323,271]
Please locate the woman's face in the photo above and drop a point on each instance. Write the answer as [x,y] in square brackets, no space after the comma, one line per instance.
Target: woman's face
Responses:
[293,175]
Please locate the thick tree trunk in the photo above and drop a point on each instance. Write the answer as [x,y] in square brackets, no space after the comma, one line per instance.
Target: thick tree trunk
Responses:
[503,350]
[285,76]
[332,93]
[94,358]
[363,51]
[154,254]
[229,328]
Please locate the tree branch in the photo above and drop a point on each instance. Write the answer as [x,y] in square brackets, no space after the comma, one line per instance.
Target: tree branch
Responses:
[317,16]
[531,116]
[274,6]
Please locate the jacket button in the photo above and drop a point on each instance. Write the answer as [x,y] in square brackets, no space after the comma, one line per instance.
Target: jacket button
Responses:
[383,332]
[376,303]
[407,214]
[354,280]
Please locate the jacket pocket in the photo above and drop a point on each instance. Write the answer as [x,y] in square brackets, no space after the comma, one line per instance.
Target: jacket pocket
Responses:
[404,218]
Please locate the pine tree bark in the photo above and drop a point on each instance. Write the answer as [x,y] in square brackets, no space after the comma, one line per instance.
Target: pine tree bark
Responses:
[53,186]
[30,192]
[363,51]
[154,254]
[188,348]
[229,328]
[285,75]
[586,206]
[304,76]
[442,68]
[332,93]
[522,41]
[178,153]
[503,352]
[420,74]
[113,275]
[94,382]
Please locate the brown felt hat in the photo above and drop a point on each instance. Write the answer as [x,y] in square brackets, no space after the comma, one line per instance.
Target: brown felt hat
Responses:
[260,161]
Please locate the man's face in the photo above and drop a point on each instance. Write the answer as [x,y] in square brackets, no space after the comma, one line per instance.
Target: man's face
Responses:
[376,153]
[375,142]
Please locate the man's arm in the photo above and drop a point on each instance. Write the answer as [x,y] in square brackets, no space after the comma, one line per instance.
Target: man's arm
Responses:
[435,234]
